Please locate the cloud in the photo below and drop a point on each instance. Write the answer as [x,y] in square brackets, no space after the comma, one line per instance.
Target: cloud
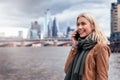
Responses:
[101,12]
[20,13]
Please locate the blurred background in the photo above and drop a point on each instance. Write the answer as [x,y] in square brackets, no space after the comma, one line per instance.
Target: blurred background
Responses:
[35,36]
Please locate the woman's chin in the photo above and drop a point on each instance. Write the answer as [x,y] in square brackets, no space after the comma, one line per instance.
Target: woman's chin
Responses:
[82,37]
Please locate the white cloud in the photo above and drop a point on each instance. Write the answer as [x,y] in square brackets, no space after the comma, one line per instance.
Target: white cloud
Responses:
[20,13]
[101,12]
[67,15]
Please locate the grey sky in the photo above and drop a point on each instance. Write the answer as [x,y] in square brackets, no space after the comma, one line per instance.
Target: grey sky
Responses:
[20,13]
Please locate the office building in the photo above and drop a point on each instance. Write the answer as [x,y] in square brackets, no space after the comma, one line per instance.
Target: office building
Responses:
[69,32]
[47,25]
[115,21]
[34,31]
[115,17]
[55,29]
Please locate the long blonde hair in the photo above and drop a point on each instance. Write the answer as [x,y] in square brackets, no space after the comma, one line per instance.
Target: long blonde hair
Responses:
[98,35]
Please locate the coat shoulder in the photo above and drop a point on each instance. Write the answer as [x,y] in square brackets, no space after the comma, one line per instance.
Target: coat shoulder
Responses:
[102,47]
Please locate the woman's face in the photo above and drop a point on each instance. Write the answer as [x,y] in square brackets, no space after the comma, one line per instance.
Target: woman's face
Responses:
[84,27]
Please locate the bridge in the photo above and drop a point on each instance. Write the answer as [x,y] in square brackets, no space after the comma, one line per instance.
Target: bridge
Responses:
[34,42]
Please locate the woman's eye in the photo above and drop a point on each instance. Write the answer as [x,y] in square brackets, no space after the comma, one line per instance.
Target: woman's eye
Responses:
[82,23]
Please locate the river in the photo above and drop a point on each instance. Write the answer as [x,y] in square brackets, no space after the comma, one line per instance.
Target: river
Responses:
[42,63]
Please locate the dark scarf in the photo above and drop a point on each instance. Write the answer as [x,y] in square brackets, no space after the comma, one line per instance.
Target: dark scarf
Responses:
[76,69]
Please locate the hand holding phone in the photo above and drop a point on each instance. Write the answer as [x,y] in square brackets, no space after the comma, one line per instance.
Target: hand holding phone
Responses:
[75,36]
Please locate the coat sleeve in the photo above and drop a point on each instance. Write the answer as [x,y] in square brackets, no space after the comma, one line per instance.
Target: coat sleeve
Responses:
[69,59]
[102,62]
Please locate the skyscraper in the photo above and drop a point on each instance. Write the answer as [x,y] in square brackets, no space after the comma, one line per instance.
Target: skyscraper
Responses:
[35,31]
[115,17]
[47,24]
[54,29]
[69,31]
[115,21]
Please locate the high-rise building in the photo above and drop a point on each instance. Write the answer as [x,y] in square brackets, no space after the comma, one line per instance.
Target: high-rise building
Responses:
[115,21]
[35,31]
[47,24]
[54,29]
[115,17]
[69,31]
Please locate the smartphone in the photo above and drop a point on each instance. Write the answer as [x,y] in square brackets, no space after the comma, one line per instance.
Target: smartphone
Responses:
[77,36]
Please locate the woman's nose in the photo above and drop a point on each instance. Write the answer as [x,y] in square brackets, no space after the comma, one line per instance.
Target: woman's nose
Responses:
[79,27]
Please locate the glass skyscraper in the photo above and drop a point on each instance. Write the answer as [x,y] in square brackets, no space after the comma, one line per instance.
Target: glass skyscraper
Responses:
[54,29]
[47,24]
[34,31]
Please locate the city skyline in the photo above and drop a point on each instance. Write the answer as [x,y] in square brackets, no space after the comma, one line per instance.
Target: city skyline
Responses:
[18,14]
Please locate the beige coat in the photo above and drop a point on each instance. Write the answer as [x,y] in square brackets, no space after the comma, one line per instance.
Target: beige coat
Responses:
[96,63]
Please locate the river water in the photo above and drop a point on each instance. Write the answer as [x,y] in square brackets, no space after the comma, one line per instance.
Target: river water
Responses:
[42,63]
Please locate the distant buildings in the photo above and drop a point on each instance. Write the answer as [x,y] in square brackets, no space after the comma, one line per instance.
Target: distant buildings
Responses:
[115,27]
[68,32]
[50,26]
[20,34]
[115,17]
[115,21]
[34,31]
[47,24]
[49,30]
[54,29]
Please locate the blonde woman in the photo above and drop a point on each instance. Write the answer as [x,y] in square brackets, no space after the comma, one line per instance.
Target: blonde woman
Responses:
[89,56]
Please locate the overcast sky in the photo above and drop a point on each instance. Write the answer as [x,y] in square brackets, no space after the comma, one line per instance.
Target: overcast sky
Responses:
[19,14]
